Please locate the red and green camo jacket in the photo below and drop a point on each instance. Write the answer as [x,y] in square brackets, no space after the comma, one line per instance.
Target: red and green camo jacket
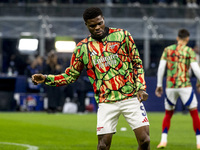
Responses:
[113,66]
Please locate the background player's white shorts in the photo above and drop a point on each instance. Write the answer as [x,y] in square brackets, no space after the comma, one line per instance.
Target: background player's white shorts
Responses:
[186,95]
[108,115]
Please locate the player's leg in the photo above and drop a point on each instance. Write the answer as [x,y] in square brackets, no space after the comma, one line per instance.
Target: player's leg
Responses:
[135,114]
[107,119]
[196,125]
[142,135]
[104,141]
[165,128]
[170,102]
[189,99]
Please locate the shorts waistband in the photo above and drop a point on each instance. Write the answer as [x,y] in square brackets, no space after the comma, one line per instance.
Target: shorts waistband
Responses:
[111,101]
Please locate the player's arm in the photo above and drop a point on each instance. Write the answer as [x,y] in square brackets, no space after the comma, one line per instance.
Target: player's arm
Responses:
[71,73]
[196,70]
[160,75]
[161,72]
[137,69]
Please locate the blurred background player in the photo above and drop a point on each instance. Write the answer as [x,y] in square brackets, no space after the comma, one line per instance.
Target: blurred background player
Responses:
[55,95]
[35,65]
[178,58]
[115,70]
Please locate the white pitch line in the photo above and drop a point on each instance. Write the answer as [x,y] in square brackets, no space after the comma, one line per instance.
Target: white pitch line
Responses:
[30,147]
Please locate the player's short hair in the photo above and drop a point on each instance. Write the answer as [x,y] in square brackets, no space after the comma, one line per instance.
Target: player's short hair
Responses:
[91,13]
[183,33]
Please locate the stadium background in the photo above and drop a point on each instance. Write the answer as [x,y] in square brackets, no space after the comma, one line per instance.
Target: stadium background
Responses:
[152,26]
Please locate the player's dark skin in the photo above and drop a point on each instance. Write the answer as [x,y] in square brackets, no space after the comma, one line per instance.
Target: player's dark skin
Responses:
[96,26]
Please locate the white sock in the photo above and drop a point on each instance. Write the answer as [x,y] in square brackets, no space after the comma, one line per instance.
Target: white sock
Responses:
[198,139]
[164,137]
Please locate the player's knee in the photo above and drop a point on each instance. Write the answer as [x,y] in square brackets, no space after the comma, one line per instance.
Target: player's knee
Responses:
[101,146]
[144,143]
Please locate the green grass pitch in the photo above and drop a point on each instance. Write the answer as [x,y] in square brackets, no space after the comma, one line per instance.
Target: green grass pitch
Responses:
[78,132]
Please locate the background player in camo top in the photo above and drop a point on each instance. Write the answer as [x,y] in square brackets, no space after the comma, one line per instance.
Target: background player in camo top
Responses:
[115,70]
[178,58]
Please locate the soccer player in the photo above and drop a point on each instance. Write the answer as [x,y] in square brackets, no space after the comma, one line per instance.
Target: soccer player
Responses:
[115,70]
[178,58]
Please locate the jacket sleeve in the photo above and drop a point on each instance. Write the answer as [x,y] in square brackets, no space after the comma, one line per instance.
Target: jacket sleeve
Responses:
[161,72]
[137,64]
[71,73]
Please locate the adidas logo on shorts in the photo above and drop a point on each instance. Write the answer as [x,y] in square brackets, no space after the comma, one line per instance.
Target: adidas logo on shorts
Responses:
[145,120]
[99,128]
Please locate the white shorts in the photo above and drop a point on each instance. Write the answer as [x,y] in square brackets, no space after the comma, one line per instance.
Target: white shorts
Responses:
[186,95]
[108,115]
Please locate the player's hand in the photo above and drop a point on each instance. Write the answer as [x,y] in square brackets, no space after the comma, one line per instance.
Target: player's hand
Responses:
[159,91]
[38,78]
[142,95]
[198,87]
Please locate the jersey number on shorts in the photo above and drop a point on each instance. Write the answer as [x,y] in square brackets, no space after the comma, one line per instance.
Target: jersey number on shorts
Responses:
[144,111]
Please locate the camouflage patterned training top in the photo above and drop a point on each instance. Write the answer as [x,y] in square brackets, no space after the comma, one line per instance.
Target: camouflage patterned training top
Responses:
[178,63]
[113,66]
